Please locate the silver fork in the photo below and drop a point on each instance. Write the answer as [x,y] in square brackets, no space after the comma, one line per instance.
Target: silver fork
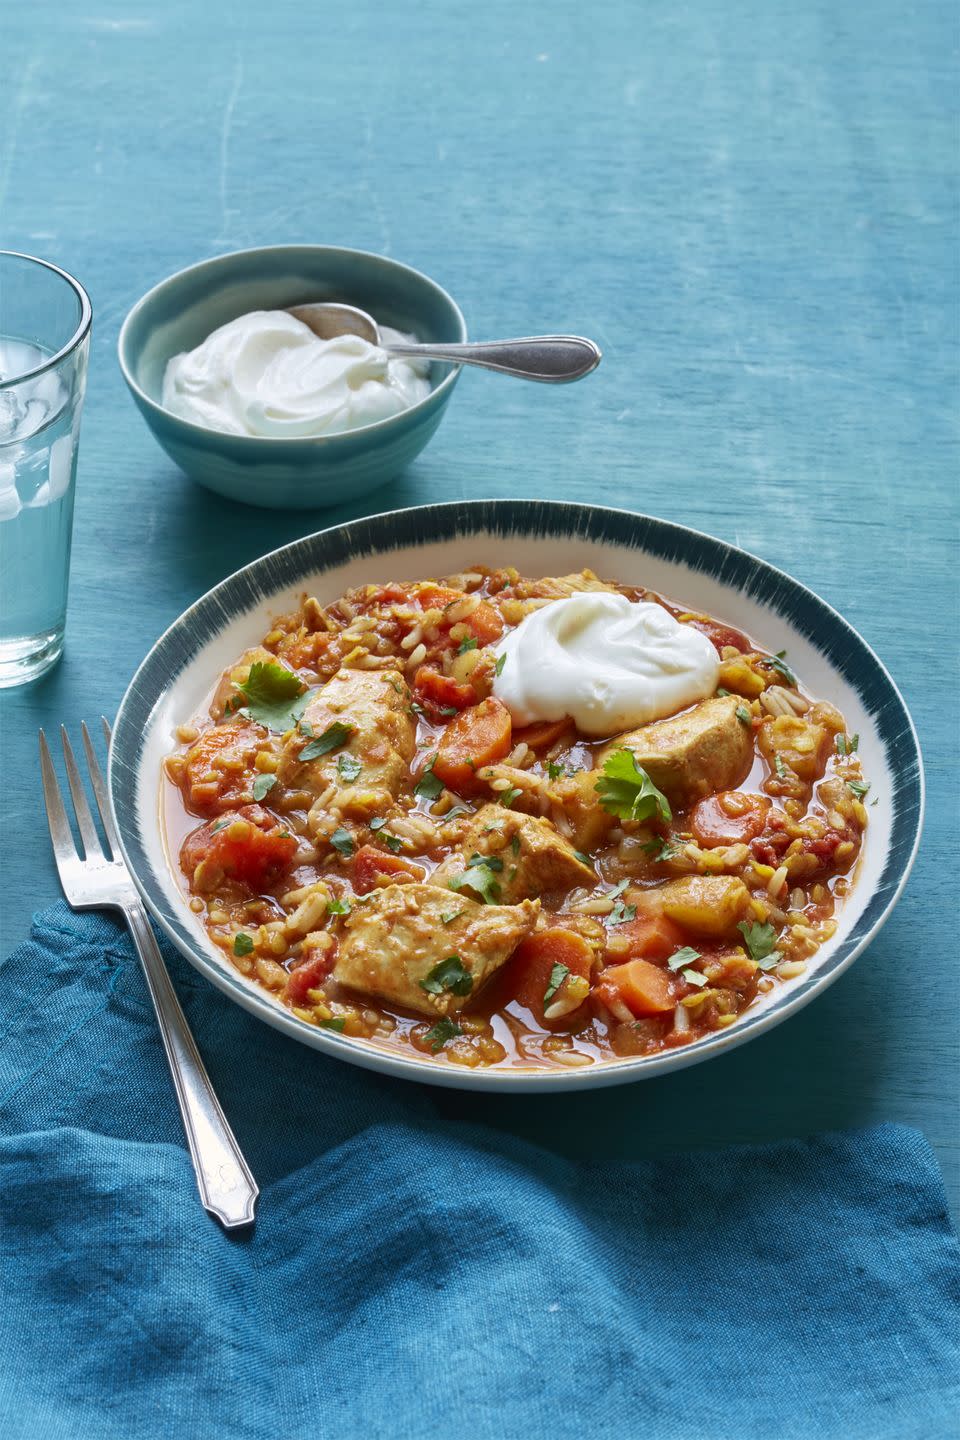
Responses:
[102,882]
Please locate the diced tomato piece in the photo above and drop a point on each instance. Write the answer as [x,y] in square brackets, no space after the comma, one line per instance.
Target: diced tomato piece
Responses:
[235,743]
[730,818]
[438,694]
[309,974]
[248,846]
[527,975]
[542,736]
[651,937]
[477,737]
[372,866]
[638,987]
[721,635]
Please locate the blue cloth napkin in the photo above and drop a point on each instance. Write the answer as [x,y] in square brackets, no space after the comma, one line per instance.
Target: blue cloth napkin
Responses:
[411,1276]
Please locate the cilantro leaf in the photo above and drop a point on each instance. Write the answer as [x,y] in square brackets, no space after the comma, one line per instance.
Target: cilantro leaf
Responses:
[378,823]
[342,840]
[479,878]
[332,738]
[693,977]
[338,907]
[584,859]
[449,915]
[858,788]
[262,784]
[507,797]
[501,661]
[558,974]
[470,643]
[627,791]
[686,955]
[492,862]
[621,914]
[515,843]
[660,849]
[439,1034]
[449,975]
[348,767]
[220,825]
[273,696]
[761,941]
[743,715]
[394,842]
[846,744]
[554,770]
[782,668]
[428,787]
[242,944]
[336,1022]
[780,767]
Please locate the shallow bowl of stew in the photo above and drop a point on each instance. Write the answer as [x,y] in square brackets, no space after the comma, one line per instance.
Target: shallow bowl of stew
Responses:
[544,909]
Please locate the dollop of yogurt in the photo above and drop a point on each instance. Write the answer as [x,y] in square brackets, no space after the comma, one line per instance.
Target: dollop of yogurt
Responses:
[267,374]
[608,662]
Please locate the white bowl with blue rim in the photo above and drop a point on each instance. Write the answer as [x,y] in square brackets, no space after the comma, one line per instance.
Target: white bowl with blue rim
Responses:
[277,472]
[539,538]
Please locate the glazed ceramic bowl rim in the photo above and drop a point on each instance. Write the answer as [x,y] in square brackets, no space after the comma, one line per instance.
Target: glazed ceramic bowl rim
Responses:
[446,384]
[524,519]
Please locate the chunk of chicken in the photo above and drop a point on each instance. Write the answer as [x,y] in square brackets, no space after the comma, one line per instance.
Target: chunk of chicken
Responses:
[525,854]
[376,706]
[708,905]
[577,796]
[692,754]
[397,936]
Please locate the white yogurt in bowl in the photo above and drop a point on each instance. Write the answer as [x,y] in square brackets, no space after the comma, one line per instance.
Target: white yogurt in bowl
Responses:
[267,375]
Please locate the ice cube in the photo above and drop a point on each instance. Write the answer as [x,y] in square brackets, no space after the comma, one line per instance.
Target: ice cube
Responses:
[9,499]
[13,413]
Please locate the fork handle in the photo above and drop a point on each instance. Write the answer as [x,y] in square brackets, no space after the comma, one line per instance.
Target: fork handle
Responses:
[227,1188]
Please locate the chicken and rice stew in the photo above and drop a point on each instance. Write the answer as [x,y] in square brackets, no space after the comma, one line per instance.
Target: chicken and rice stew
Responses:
[366,831]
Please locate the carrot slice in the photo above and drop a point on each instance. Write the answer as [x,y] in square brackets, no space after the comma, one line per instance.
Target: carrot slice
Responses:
[730,818]
[529,973]
[477,737]
[540,737]
[371,866]
[651,936]
[484,623]
[637,986]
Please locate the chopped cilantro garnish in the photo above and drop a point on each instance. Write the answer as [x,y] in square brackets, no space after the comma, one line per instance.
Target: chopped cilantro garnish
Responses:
[721,691]
[470,643]
[846,744]
[220,825]
[693,977]
[858,788]
[449,915]
[501,661]
[782,668]
[554,769]
[507,797]
[332,738]
[686,955]
[584,859]
[338,907]
[262,784]
[439,1034]
[428,787]
[273,696]
[342,840]
[779,766]
[621,914]
[394,842]
[242,944]
[447,710]
[626,790]
[479,878]
[336,1022]
[660,849]
[743,715]
[305,728]
[515,843]
[492,862]
[449,975]
[761,941]
[348,767]
[558,974]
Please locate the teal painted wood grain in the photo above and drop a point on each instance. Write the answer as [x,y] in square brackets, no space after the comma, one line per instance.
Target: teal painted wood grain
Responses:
[751,207]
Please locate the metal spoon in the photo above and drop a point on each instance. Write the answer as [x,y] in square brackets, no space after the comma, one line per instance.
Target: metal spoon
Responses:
[553,359]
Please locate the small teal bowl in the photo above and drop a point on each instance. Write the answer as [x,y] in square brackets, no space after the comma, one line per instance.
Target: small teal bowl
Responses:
[287,474]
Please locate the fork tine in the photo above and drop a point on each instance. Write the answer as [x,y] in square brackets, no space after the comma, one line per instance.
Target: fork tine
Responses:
[108,733]
[64,848]
[99,789]
[88,831]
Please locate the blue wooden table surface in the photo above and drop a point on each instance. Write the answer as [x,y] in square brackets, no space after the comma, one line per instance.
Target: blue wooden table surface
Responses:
[751,207]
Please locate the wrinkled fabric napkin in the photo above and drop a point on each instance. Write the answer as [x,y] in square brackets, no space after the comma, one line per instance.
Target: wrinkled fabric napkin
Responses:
[409,1276]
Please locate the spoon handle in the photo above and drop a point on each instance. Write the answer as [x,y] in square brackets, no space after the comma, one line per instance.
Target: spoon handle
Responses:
[552,359]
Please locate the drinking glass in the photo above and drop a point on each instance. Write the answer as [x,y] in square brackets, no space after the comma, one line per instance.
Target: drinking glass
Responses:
[44,341]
